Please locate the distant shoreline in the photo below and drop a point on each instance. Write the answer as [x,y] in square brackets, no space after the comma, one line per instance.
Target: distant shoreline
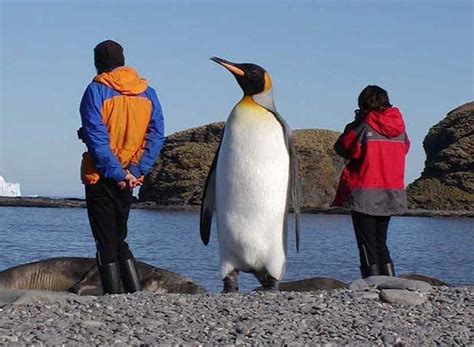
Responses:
[80,203]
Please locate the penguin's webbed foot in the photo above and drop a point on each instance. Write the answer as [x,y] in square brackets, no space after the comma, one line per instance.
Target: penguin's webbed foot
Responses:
[268,282]
[271,286]
[231,284]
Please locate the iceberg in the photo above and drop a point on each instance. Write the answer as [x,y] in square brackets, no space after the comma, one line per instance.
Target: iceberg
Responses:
[9,189]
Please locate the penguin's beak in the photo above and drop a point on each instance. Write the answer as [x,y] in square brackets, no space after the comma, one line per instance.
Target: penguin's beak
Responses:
[232,67]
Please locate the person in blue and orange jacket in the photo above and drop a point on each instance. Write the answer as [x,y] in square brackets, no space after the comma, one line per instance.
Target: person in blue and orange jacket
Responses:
[122,127]
[372,181]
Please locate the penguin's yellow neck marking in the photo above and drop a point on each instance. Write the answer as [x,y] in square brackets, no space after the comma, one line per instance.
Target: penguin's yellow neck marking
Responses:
[248,101]
[264,99]
[268,82]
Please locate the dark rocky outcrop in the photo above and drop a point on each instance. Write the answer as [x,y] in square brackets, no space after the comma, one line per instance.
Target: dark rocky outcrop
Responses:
[447,182]
[41,202]
[178,177]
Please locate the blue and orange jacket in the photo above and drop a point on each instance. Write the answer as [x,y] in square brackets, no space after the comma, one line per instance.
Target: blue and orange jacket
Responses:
[372,181]
[122,126]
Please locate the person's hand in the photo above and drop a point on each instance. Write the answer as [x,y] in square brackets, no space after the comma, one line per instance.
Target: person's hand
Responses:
[129,182]
[358,118]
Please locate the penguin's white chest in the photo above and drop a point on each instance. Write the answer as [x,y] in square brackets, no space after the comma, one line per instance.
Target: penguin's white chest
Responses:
[252,178]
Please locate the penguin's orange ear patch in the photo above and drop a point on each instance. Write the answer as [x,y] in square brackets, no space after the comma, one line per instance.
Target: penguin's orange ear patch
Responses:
[268,82]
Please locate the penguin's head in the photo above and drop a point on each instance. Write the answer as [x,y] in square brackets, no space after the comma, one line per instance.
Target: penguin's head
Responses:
[253,79]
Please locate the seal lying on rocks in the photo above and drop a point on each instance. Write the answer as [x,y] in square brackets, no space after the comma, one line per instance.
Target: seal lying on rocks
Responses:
[327,283]
[81,276]
[430,280]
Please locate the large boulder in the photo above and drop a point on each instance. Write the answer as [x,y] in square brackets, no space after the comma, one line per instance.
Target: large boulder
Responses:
[447,182]
[178,177]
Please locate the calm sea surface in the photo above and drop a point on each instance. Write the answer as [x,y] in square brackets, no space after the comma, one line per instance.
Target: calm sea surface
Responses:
[437,247]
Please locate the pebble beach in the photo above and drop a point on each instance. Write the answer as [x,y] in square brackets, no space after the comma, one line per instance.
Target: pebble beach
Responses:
[365,313]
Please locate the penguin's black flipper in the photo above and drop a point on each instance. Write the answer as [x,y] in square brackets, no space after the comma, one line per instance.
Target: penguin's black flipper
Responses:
[294,178]
[209,198]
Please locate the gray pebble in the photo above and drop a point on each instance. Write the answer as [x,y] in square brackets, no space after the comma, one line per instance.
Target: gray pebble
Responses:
[92,324]
[364,295]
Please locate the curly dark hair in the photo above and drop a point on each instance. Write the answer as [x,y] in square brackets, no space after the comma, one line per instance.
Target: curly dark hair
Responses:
[373,98]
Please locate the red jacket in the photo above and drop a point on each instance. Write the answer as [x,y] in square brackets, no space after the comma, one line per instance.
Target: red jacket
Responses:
[372,181]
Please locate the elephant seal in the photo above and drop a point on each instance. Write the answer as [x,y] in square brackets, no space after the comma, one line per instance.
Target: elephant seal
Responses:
[430,280]
[81,276]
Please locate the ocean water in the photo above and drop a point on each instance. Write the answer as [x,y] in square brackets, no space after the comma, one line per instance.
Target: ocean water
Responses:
[437,247]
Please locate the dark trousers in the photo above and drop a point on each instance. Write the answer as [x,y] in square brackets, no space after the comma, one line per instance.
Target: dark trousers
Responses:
[108,208]
[371,236]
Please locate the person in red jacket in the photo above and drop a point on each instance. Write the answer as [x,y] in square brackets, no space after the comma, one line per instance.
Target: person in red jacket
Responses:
[372,182]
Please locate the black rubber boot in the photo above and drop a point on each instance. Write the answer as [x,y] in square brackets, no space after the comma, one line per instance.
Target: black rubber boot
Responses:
[387,269]
[129,274]
[110,278]
[371,270]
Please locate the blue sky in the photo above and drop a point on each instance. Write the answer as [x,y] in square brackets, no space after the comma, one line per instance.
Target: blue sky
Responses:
[320,55]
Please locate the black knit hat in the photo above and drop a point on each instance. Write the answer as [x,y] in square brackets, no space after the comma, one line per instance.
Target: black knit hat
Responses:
[108,55]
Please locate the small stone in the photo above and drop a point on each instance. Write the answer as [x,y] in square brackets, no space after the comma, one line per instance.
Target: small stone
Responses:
[364,295]
[239,340]
[5,338]
[401,297]
[92,324]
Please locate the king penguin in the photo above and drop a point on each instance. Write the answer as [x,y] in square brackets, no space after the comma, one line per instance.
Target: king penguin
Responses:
[252,179]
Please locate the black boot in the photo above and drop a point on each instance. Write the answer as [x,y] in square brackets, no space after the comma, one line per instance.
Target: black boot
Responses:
[110,277]
[371,270]
[130,278]
[387,269]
